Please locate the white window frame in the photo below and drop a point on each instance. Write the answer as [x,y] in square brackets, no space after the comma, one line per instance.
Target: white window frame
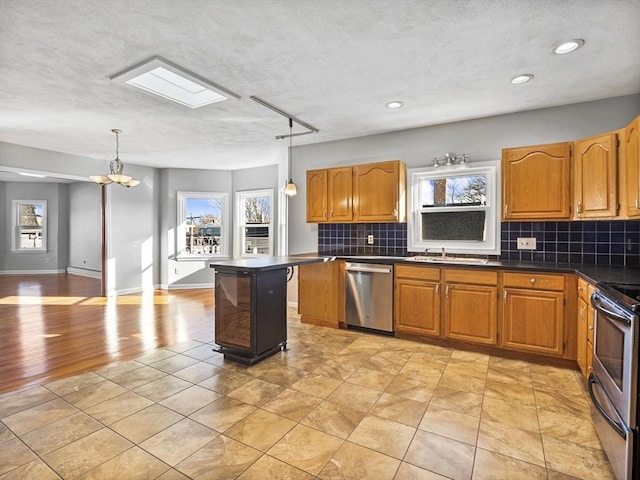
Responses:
[17,227]
[239,251]
[181,229]
[491,244]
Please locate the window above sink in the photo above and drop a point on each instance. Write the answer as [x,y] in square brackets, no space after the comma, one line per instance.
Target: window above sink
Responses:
[454,208]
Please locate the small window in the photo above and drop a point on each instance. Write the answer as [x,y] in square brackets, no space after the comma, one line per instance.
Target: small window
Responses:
[255,223]
[202,225]
[454,209]
[30,225]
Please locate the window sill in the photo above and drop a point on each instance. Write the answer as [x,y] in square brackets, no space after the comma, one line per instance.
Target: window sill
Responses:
[29,250]
[201,258]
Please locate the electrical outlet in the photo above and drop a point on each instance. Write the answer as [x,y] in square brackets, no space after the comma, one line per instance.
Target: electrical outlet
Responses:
[177,270]
[527,243]
[47,260]
[370,239]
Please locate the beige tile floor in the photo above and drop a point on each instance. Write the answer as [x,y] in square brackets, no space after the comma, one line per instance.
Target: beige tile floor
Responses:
[337,405]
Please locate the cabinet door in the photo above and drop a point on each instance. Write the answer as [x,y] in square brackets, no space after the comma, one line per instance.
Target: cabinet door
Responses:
[595,177]
[376,192]
[417,307]
[536,182]
[316,196]
[582,336]
[533,321]
[471,313]
[340,194]
[631,164]
[320,293]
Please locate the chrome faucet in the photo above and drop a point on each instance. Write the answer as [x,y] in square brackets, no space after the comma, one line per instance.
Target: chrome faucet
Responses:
[444,254]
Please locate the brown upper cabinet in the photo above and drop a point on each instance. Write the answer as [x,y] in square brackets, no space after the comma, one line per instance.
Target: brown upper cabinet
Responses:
[374,192]
[595,170]
[317,196]
[379,192]
[630,169]
[536,182]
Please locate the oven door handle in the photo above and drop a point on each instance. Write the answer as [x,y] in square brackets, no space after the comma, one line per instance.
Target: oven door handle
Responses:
[618,427]
[597,304]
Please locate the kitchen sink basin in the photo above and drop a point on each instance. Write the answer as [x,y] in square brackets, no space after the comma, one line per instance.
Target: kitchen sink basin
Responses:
[454,260]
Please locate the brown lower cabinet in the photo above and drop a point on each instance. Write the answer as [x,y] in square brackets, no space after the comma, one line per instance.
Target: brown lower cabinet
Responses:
[584,326]
[470,306]
[321,293]
[499,309]
[417,300]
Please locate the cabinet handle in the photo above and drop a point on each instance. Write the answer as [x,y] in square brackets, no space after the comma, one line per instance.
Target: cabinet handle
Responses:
[504,297]
[324,215]
[331,213]
[590,327]
[533,281]
[395,213]
[506,210]
[638,202]
[438,289]
[446,292]
[579,208]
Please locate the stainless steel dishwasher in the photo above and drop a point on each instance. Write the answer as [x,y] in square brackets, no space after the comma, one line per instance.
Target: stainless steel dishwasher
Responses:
[369,296]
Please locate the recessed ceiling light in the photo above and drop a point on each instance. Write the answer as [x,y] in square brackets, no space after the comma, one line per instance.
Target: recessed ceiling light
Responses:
[169,81]
[568,47]
[521,79]
[394,104]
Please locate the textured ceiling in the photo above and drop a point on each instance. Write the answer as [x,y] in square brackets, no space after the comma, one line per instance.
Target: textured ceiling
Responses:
[331,63]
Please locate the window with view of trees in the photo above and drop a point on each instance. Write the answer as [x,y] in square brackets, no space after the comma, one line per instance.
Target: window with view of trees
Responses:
[255,225]
[453,209]
[202,224]
[30,225]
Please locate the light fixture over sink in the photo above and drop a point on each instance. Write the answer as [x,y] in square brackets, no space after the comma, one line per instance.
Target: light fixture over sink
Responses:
[116,167]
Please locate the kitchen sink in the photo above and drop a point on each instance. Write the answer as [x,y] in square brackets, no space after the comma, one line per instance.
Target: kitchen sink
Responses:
[447,259]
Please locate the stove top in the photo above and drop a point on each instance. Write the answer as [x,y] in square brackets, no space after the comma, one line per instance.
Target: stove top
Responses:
[626,294]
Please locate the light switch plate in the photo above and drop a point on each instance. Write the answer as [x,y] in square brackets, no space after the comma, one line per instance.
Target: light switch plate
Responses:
[370,239]
[525,243]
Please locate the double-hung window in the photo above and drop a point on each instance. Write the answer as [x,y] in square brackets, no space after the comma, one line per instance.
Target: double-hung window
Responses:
[29,225]
[454,209]
[255,223]
[202,225]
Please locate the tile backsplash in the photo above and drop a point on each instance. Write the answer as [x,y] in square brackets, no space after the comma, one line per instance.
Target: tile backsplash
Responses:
[589,242]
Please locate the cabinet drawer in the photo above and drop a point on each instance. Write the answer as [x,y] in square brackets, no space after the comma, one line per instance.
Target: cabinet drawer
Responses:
[536,281]
[483,277]
[420,273]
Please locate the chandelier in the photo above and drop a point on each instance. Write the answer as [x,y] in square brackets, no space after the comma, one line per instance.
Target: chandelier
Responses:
[116,167]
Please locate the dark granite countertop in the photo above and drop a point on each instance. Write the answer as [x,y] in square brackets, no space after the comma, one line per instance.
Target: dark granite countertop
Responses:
[591,273]
[263,264]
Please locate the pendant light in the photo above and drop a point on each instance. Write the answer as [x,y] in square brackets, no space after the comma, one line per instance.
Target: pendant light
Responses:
[290,189]
[116,167]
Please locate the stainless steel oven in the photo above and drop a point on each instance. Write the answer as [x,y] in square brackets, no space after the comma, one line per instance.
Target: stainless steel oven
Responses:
[613,384]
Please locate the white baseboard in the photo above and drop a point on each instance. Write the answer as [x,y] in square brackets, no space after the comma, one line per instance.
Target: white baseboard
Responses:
[186,286]
[84,272]
[30,272]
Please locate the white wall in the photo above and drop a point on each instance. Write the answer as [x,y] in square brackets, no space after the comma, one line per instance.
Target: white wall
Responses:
[484,138]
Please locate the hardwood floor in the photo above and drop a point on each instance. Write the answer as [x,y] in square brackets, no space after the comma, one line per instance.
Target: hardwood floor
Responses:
[52,326]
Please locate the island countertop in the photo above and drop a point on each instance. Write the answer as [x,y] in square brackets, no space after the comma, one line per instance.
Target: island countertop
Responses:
[263,264]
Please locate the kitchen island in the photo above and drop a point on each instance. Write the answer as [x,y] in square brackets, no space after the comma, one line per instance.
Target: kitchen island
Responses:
[251,305]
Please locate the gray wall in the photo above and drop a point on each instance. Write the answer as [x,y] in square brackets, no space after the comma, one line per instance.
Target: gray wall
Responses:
[84,228]
[483,138]
[186,273]
[133,224]
[56,257]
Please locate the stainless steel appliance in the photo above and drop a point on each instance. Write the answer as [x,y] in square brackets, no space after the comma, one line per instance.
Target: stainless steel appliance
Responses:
[613,384]
[369,296]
